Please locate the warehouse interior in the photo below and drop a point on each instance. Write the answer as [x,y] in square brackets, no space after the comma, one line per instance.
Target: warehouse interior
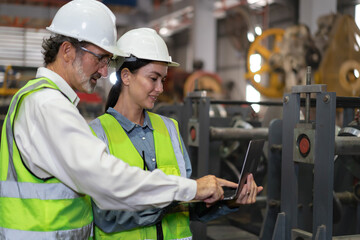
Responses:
[287,71]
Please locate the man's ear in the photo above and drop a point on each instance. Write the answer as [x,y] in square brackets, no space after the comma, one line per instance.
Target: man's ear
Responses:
[67,51]
[126,76]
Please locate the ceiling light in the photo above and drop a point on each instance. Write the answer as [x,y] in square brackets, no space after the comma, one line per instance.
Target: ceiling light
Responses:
[113,78]
[164,31]
[258,30]
[250,37]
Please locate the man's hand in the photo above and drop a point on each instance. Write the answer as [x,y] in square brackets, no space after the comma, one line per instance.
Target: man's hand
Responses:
[209,189]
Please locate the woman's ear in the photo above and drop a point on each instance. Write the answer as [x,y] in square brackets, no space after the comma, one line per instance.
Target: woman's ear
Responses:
[126,76]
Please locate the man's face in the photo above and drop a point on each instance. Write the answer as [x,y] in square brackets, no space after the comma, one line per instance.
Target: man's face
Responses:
[90,65]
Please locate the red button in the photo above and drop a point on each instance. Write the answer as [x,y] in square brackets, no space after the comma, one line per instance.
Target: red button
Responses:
[193,133]
[304,145]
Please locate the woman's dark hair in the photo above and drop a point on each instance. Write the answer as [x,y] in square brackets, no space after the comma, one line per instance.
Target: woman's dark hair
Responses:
[52,44]
[115,91]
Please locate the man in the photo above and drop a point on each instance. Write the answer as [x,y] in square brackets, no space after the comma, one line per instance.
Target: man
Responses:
[50,161]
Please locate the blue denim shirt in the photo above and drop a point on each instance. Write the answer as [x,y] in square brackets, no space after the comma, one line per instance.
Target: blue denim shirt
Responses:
[143,141]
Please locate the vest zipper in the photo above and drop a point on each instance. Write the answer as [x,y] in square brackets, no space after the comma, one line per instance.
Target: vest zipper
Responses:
[159,231]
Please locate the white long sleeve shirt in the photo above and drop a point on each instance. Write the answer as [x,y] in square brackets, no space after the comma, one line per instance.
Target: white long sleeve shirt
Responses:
[55,140]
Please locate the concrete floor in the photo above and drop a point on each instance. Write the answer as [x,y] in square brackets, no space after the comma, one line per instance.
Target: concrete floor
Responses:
[244,224]
[218,232]
[241,225]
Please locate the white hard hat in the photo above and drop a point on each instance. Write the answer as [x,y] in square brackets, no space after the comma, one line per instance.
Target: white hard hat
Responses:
[145,43]
[87,20]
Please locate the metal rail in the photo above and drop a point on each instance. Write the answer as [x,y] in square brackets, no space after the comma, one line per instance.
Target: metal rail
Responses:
[238,133]
[344,145]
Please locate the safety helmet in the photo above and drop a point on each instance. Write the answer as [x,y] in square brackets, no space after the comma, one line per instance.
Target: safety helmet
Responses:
[87,20]
[145,43]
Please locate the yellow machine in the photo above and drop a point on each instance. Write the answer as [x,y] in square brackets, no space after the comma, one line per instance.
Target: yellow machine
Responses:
[340,66]
[334,56]
[275,86]
[203,80]
[5,89]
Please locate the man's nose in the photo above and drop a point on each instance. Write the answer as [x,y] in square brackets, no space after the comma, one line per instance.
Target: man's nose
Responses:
[104,70]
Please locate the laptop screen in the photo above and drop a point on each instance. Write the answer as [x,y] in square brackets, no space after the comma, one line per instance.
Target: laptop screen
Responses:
[251,161]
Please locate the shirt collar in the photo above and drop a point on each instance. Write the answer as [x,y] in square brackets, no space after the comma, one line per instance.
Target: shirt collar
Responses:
[127,125]
[60,82]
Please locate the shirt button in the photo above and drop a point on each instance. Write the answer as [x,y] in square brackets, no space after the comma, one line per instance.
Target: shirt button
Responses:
[153,159]
[143,138]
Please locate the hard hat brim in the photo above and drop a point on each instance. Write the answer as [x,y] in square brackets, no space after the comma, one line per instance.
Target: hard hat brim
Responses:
[115,51]
[112,49]
[117,62]
[173,64]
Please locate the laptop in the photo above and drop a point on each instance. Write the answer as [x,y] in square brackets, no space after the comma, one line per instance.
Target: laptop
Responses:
[250,165]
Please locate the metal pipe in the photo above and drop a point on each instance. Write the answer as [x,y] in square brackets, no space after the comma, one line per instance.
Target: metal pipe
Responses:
[346,145]
[238,102]
[347,198]
[307,102]
[343,146]
[261,201]
[238,133]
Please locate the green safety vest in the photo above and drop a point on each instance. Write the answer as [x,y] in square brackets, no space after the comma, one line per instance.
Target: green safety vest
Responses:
[174,225]
[33,208]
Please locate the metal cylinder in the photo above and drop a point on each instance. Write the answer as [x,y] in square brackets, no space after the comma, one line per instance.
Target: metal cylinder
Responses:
[346,145]
[347,198]
[238,133]
[261,201]
[307,100]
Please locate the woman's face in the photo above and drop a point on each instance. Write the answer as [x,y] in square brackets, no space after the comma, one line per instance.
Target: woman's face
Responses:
[146,84]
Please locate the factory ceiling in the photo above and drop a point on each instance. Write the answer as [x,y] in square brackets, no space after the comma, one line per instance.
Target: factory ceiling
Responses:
[38,13]
[156,13]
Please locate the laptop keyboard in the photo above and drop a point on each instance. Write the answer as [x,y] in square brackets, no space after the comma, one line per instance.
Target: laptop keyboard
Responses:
[228,192]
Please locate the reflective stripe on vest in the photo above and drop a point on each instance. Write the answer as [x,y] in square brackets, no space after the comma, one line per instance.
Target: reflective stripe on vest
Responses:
[8,124]
[73,234]
[32,208]
[175,141]
[26,190]
[166,139]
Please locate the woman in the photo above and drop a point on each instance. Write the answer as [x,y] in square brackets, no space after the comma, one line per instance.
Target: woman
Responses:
[149,141]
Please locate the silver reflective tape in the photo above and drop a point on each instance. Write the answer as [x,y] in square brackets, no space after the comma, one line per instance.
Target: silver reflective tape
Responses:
[73,234]
[42,191]
[176,144]
[9,130]
[100,133]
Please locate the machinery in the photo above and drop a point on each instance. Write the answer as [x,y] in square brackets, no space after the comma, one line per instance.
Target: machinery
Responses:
[180,83]
[310,167]
[340,66]
[316,198]
[275,86]
[10,84]
[217,142]
[203,80]
[285,54]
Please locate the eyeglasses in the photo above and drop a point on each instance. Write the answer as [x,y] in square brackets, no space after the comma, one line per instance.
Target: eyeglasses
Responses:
[104,60]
